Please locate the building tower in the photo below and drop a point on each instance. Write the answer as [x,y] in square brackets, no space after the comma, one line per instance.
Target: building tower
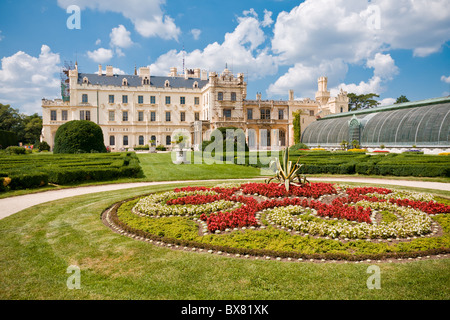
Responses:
[322,95]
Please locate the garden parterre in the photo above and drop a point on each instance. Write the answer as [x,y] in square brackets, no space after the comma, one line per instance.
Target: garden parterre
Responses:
[313,211]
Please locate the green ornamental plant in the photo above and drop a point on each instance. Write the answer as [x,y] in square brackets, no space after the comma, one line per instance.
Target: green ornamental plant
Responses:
[286,173]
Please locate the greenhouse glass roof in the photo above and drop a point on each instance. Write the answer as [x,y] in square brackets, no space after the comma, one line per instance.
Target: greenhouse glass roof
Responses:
[423,123]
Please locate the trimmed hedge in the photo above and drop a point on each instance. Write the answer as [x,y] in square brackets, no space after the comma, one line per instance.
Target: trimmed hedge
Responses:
[40,169]
[8,138]
[405,164]
[15,150]
[79,136]
[28,180]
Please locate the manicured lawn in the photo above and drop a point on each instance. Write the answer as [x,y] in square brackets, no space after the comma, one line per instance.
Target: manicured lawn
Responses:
[38,244]
[159,167]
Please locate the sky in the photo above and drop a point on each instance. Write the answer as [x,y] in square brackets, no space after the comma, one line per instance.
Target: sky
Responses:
[390,48]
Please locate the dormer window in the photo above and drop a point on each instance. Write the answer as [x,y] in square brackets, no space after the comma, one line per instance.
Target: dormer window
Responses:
[124,82]
[195,85]
[146,81]
[167,84]
[85,80]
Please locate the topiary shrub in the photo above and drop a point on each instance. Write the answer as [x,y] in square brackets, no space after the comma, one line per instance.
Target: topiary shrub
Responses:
[237,138]
[43,146]
[15,150]
[79,136]
[299,146]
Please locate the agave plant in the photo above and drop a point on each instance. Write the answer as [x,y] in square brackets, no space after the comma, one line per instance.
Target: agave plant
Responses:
[286,173]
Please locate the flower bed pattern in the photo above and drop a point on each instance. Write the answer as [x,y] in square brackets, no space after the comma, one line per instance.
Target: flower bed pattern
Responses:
[318,210]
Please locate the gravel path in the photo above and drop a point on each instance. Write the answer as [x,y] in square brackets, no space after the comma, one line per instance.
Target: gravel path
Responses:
[11,205]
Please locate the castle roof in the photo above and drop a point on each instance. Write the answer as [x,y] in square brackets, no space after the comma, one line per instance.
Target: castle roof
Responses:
[136,81]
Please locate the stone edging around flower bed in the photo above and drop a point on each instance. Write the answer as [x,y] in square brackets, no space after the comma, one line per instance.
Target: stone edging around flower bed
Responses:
[109,219]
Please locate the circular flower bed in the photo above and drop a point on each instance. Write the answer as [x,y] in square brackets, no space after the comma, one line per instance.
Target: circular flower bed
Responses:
[314,211]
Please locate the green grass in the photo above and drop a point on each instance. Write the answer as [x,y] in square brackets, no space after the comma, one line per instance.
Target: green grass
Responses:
[159,167]
[38,244]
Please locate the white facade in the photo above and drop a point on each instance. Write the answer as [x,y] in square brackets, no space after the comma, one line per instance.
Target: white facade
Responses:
[134,109]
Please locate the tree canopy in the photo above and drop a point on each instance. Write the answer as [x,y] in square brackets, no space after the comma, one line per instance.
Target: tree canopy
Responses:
[401,99]
[27,128]
[362,101]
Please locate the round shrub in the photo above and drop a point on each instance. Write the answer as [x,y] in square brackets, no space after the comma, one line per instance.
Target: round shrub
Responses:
[79,136]
[43,146]
[15,150]
[299,146]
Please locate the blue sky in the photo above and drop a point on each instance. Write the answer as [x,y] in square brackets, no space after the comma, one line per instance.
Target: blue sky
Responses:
[391,48]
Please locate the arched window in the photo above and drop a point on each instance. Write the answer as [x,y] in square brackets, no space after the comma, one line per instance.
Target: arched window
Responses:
[85,80]
[195,85]
[125,140]
[153,138]
[167,84]
[141,140]
[124,82]
[146,81]
[112,140]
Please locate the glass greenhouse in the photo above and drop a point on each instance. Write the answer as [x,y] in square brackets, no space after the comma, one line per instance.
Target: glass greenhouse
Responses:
[424,123]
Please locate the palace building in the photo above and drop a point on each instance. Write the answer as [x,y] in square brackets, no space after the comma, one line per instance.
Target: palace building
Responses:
[133,110]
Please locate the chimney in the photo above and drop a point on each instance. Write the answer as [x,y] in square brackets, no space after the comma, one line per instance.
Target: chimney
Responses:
[291,95]
[144,72]
[197,73]
[258,96]
[204,75]
[173,72]
[109,71]
[99,69]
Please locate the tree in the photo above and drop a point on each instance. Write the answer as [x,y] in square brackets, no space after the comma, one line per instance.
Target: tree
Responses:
[362,101]
[401,99]
[344,144]
[297,126]
[11,119]
[33,128]
[27,128]
[79,136]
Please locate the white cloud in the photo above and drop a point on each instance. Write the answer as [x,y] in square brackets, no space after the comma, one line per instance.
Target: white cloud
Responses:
[387,102]
[303,79]
[267,18]
[25,80]
[196,33]
[1,36]
[325,29]
[383,65]
[98,42]
[160,26]
[147,15]
[120,37]
[318,32]
[250,12]
[421,26]
[374,85]
[115,71]
[100,55]
[240,49]
[445,79]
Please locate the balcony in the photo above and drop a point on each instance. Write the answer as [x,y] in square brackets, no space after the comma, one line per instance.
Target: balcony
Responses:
[261,121]
[55,103]
[230,119]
